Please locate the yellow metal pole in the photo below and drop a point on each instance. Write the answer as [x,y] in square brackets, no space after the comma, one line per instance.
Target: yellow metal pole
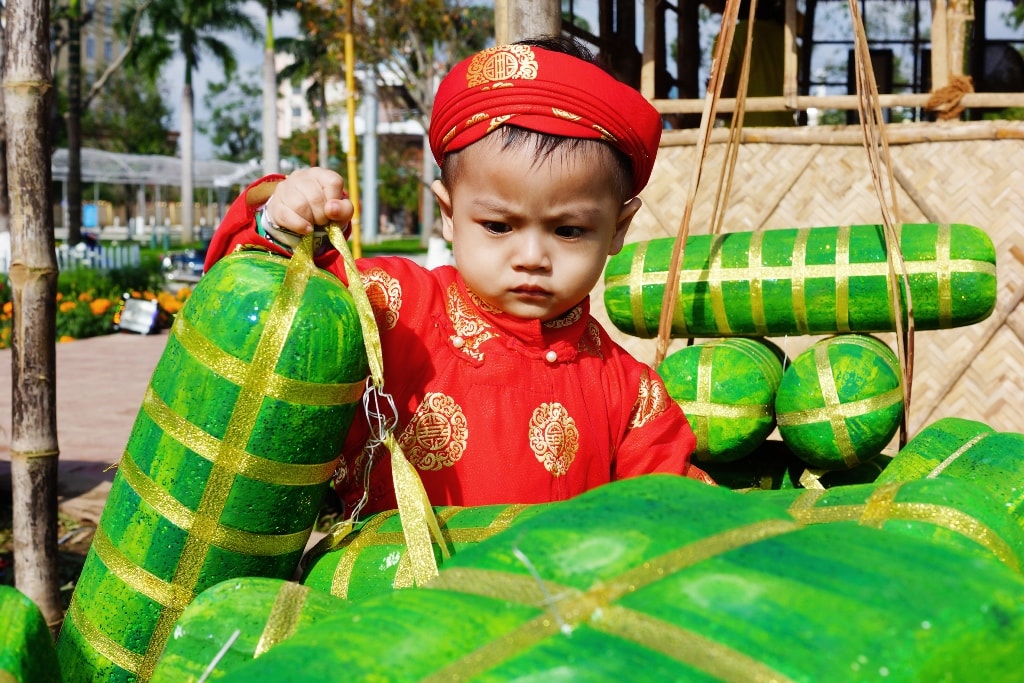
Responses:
[350,106]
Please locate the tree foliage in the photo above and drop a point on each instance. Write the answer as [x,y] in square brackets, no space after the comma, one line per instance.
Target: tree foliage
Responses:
[236,115]
[131,116]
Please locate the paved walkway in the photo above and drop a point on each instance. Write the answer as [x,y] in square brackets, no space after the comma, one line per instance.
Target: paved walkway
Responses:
[100,385]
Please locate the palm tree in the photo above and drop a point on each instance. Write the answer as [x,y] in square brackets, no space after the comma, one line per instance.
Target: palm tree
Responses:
[189,28]
[315,60]
[271,155]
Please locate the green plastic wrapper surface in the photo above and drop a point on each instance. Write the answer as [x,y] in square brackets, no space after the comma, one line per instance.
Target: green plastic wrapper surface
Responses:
[969,450]
[27,654]
[372,558]
[662,578]
[790,281]
[726,388]
[234,622]
[228,461]
[944,510]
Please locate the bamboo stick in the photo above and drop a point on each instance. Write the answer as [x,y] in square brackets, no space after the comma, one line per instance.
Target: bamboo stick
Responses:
[976,99]
[899,134]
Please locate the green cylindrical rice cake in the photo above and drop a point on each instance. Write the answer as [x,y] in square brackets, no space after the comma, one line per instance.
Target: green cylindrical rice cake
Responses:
[944,510]
[372,559]
[662,578]
[840,402]
[27,654]
[820,280]
[727,389]
[228,461]
[235,621]
[948,437]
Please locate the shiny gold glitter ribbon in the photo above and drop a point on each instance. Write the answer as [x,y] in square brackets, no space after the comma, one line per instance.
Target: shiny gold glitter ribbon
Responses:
[955,455]
[208,447]
[202,525]
[565,607]
[418,521]
[369,535]
[101,643]
[284,616]
[943,251]
[282,388]
[636,289]
[881,507]
[797,274]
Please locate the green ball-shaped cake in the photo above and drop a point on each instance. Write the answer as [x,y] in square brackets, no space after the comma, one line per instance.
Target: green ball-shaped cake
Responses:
[840,402]
[727,389]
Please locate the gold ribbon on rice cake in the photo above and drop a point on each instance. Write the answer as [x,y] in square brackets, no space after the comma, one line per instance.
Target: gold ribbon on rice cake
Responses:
[567,607]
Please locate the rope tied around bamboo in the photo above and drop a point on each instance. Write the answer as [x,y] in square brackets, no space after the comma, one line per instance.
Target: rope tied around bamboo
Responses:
[946,101]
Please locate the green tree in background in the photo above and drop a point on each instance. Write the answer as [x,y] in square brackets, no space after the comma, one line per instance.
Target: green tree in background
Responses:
[236,115]
[189,29]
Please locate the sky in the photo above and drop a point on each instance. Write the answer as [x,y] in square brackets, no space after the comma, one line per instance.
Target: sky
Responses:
[249,56]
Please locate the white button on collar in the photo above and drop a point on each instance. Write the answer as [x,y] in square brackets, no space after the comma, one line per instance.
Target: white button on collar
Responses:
[458,342]
[551,356]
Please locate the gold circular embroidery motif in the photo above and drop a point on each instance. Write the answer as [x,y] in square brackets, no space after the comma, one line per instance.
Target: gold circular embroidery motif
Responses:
[501,63]
[554,438]
[385,295]
[436,435]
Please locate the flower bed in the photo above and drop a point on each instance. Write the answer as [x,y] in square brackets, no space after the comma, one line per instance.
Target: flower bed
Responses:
[88,301]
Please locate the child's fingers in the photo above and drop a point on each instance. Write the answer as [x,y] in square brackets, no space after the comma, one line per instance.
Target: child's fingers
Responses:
[308,197]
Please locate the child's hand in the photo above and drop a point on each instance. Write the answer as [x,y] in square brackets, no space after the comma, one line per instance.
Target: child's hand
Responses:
[309,198]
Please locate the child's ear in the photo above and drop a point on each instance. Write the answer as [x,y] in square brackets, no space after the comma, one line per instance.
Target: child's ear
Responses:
[622,224]
[444,202]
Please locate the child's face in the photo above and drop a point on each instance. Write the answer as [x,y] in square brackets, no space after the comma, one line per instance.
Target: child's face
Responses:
[531,237]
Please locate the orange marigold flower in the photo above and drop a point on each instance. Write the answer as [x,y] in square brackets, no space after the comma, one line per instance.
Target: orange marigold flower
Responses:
[99,306]
[8,308]
[68,306]
[66,338]
[184,293]
[85,296]
[148,295]
[60,297]
[172,306]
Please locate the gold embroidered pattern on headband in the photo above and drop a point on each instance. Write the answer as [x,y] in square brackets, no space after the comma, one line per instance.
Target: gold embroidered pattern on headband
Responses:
[605,133]
[563,114]
[501,63]
[498,121]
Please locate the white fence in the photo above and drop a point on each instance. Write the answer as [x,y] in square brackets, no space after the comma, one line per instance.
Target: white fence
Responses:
[81,256]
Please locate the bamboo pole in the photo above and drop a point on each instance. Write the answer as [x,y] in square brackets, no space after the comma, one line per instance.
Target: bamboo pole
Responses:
[350,108]
[899,134]
[779,103]
[940,45]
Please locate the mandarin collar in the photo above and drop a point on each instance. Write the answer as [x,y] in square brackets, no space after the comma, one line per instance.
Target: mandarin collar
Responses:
[561,334]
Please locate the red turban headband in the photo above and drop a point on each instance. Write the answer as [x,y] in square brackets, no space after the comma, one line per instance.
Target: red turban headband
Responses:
[546,92]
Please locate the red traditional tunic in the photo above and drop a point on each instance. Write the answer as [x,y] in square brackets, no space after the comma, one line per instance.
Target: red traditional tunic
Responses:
[493,408]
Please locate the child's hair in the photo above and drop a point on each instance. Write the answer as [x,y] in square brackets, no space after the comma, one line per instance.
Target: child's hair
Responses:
[545,145]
